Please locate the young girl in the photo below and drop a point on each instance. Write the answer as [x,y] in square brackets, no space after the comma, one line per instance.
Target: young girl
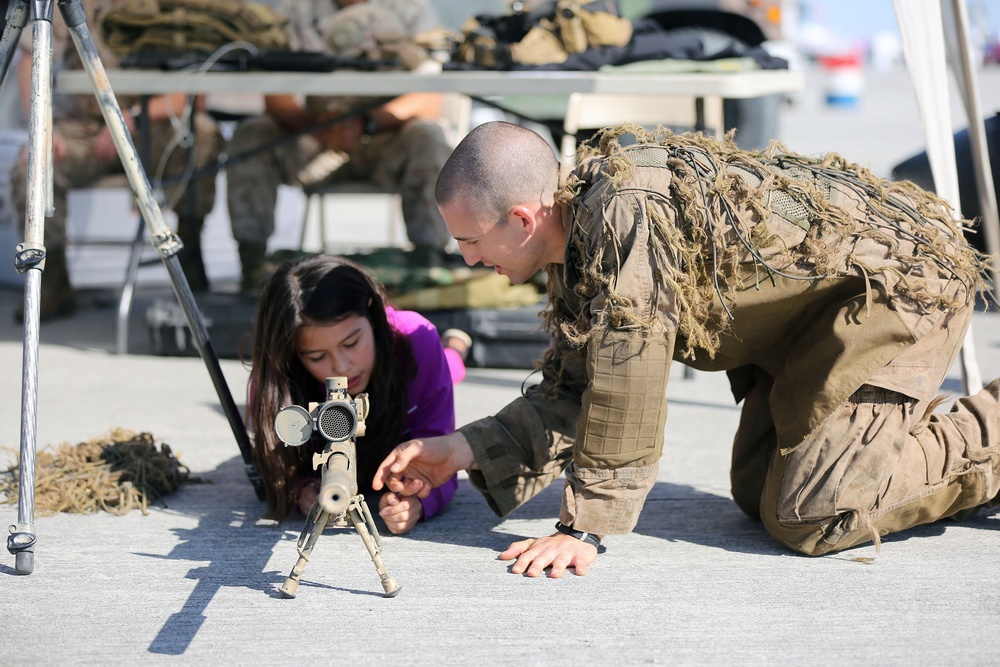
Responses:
[322,316]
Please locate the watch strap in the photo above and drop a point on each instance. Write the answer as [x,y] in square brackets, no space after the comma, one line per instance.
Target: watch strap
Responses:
[589,538]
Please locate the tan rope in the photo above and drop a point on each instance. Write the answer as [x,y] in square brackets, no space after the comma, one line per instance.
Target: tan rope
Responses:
[116,473]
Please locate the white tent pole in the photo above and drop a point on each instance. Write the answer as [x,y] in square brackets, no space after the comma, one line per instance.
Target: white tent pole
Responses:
[922,34]
[977,140]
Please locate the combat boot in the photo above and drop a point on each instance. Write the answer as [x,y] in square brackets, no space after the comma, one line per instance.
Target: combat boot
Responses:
[252,257]
[58,298]
[189,256]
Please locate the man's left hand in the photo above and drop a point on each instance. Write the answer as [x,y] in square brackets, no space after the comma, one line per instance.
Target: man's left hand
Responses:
[558,551]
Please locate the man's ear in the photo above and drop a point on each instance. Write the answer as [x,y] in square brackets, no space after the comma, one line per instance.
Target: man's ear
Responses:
[525,217]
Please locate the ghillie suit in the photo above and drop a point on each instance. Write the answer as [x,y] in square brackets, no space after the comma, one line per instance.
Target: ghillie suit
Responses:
[835,301]
[727,200]
[116,473]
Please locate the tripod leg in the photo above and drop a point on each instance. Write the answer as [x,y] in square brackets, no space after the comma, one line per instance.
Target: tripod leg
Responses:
[315,525]
[30,260]
[14,22]
[163,239]
[365,525]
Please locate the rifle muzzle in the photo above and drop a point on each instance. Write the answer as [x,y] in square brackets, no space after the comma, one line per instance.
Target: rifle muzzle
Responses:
[337,488]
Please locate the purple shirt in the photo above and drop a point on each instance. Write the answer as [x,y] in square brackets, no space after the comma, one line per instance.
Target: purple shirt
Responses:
[430,397]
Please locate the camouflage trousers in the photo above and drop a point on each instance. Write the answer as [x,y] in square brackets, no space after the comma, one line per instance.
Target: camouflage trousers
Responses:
[78,168]
[406,161]
[879,464]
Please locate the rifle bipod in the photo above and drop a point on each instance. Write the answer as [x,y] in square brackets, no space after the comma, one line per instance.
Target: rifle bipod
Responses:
[361,518]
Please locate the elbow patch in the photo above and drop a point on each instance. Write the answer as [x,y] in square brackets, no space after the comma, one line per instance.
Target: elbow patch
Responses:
[624,409]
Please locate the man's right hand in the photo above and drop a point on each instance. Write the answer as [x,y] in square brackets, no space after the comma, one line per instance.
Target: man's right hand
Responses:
[417,466]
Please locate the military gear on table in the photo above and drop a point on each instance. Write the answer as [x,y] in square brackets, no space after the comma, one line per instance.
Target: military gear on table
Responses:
[191,25]
[371,32]
[835,301]
[307,18]
[548,34]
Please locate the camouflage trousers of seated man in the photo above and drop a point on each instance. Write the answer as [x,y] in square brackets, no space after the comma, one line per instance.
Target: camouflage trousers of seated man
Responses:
[881,463]
[78,169]
[405,160]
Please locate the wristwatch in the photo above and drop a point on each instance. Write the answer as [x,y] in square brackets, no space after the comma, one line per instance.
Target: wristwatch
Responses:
[589,538]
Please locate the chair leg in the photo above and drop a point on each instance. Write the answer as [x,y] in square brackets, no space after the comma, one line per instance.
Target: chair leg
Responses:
[322,223]
[395,219]
[128,288]
[305,222]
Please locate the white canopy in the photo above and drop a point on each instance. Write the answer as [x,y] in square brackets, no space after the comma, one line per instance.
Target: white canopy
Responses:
[924,26]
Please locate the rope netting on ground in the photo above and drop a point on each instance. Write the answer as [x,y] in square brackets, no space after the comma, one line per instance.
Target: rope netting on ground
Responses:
[116,473]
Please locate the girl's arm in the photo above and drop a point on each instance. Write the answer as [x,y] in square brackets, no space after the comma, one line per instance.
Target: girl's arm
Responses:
[438,498]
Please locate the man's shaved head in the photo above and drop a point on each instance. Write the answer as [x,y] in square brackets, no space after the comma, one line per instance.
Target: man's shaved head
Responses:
[496,166]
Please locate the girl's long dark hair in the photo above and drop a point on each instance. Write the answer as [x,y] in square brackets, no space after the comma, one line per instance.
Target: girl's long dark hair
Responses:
[320,290]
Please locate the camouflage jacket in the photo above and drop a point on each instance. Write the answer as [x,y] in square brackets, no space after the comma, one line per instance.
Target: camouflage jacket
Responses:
[685,248]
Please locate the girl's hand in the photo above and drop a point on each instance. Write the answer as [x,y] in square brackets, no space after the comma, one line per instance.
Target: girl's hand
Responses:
[307,496]
[400,513]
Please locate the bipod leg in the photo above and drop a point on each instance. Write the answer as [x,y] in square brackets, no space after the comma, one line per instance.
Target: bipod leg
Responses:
[314,527]
[167,243]
[363,522]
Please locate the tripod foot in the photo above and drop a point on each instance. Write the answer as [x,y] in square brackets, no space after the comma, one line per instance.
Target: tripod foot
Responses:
[21,543]
[24,562]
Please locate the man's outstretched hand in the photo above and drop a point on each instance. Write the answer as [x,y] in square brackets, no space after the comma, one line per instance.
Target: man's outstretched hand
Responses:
[558,551]
[417,466]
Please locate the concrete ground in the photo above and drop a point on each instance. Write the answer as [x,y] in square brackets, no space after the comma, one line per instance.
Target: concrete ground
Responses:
[195,581]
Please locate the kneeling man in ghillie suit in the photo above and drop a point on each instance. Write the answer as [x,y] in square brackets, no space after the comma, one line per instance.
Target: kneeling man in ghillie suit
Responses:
[835,301]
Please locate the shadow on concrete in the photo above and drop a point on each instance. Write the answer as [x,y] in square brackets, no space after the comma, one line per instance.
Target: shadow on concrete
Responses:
[237,546]
[229,539]
[673,513]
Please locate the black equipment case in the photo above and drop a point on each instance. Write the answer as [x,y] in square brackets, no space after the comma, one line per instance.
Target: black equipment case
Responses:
[229,319]
[501,337]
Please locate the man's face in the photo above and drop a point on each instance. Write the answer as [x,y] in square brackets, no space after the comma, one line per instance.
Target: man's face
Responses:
[510,248]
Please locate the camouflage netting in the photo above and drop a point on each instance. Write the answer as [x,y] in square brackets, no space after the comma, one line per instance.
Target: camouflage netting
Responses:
[116,473]
[724,197]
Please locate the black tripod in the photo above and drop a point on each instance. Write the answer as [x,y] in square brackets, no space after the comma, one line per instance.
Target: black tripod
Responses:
[30,255]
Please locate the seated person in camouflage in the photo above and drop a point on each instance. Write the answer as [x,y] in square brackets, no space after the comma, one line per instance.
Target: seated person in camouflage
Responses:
[83,153]
[835,301]
[399,146]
